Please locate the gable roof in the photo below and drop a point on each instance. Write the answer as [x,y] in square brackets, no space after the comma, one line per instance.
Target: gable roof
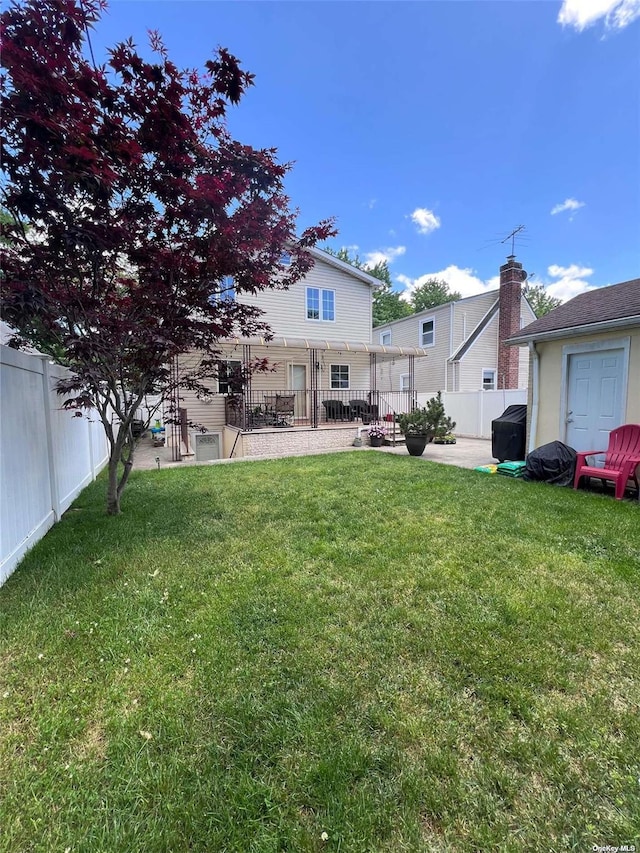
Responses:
[364,276]
[602,308]
[475,334]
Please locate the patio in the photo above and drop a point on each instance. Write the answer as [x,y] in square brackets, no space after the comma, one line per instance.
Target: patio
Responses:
[466,453]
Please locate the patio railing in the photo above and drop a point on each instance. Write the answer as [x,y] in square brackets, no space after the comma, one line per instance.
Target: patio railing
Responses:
[285,408]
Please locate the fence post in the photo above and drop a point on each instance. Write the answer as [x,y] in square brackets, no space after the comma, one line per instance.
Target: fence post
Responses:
[53,475]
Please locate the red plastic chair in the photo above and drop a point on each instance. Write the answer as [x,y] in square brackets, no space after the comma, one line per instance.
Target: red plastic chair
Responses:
[621,462]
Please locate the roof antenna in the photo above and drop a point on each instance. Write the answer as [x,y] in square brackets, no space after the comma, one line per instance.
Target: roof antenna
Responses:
[512,237]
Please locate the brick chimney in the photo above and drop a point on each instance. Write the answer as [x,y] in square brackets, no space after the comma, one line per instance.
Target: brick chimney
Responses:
[511,277]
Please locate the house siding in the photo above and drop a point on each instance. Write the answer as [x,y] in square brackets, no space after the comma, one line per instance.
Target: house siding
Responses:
[210,413]
[285,310]
[454,324]
[550,381]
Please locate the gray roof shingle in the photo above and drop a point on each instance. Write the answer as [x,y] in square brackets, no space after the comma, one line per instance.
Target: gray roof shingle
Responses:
[604,304]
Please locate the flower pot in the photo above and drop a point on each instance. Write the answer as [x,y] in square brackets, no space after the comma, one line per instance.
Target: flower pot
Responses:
[376,440]
[416,444]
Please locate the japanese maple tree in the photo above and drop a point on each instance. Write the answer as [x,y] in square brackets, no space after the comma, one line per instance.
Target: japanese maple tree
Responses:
[130,206]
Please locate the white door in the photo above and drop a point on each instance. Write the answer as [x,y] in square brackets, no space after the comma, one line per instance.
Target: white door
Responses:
[298,383]
[594,398]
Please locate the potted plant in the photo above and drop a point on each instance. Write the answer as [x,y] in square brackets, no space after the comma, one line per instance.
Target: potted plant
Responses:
[423,425]
[376,433]
[449,438]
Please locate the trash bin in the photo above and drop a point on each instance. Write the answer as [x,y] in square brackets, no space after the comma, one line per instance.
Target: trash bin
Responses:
[508,434]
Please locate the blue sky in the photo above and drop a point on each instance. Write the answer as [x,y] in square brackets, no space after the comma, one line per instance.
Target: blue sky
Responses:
[430,130]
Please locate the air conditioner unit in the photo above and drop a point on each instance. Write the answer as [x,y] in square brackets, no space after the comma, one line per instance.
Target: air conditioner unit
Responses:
[205,445]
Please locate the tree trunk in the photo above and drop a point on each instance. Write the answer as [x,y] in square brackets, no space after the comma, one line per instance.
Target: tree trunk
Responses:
[115,487]
[113,494]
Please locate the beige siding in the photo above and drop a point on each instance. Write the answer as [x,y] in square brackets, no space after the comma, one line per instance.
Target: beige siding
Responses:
[210,413]
[483,353]
[429,371]
[467,313]
[550,379]
[285,310]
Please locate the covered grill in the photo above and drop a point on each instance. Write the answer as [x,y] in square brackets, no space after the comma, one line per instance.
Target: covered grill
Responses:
[508,434]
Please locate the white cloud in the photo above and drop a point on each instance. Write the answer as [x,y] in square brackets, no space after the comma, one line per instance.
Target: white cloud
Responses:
[561,282]
[464,281]
[567,281]
[581,14]
[389,255]
[372,203]
[426,220]
[571,204]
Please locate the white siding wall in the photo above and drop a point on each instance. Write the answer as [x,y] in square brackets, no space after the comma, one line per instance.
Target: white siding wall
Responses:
[285,310]
[47,456]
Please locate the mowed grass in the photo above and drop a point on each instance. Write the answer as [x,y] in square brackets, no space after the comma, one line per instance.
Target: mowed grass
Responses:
[400,655]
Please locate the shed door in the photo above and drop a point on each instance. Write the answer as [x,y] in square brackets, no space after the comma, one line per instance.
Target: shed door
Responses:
[594,401]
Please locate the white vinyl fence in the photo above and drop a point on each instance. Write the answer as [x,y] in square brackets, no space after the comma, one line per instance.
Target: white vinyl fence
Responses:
[47,454]
[473,411]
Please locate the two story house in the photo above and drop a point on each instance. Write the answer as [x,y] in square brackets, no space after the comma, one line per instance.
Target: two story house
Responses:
[321,386]
[465,341]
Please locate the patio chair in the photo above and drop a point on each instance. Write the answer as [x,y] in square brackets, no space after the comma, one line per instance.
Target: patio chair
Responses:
[621,460]
[362,409]
[284,409]
[336,410]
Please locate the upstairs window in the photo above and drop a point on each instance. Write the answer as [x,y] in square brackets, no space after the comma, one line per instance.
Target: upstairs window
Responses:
[489,379]
[385,339]
[339,376]
[321,304]
[285,259]
[427,332]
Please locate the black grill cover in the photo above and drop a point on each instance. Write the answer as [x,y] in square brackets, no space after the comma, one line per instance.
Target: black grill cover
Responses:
[508,434]
[554,463]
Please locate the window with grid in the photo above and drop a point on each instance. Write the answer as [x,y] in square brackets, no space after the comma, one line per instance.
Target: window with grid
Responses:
[339,376]
[321,304]
[229,380]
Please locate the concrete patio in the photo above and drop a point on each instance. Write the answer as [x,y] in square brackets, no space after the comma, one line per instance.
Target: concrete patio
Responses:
[466,453]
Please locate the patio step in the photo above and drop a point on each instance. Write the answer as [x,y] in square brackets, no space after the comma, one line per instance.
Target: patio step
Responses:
[391,435]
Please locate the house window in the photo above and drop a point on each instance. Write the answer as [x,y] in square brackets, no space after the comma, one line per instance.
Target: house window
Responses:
[321,304]
[229,377]
[489,379]
[385,339]
[405,385]
[427,332]
[339,376]
[285,259]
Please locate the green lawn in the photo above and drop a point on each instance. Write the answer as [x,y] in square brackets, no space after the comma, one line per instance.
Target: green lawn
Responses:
[402,655]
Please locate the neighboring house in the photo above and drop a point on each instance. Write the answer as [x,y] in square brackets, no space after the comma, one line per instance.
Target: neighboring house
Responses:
[585,367]
[323,371]
[465,341]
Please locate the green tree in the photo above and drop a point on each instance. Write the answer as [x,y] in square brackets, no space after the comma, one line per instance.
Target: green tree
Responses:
[540,300]
[431,293]
[387,302]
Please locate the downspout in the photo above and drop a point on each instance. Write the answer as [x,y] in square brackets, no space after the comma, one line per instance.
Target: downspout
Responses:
[535,381]
[446,386]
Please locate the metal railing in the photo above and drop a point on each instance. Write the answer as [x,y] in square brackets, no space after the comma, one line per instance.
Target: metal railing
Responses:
[285,408]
